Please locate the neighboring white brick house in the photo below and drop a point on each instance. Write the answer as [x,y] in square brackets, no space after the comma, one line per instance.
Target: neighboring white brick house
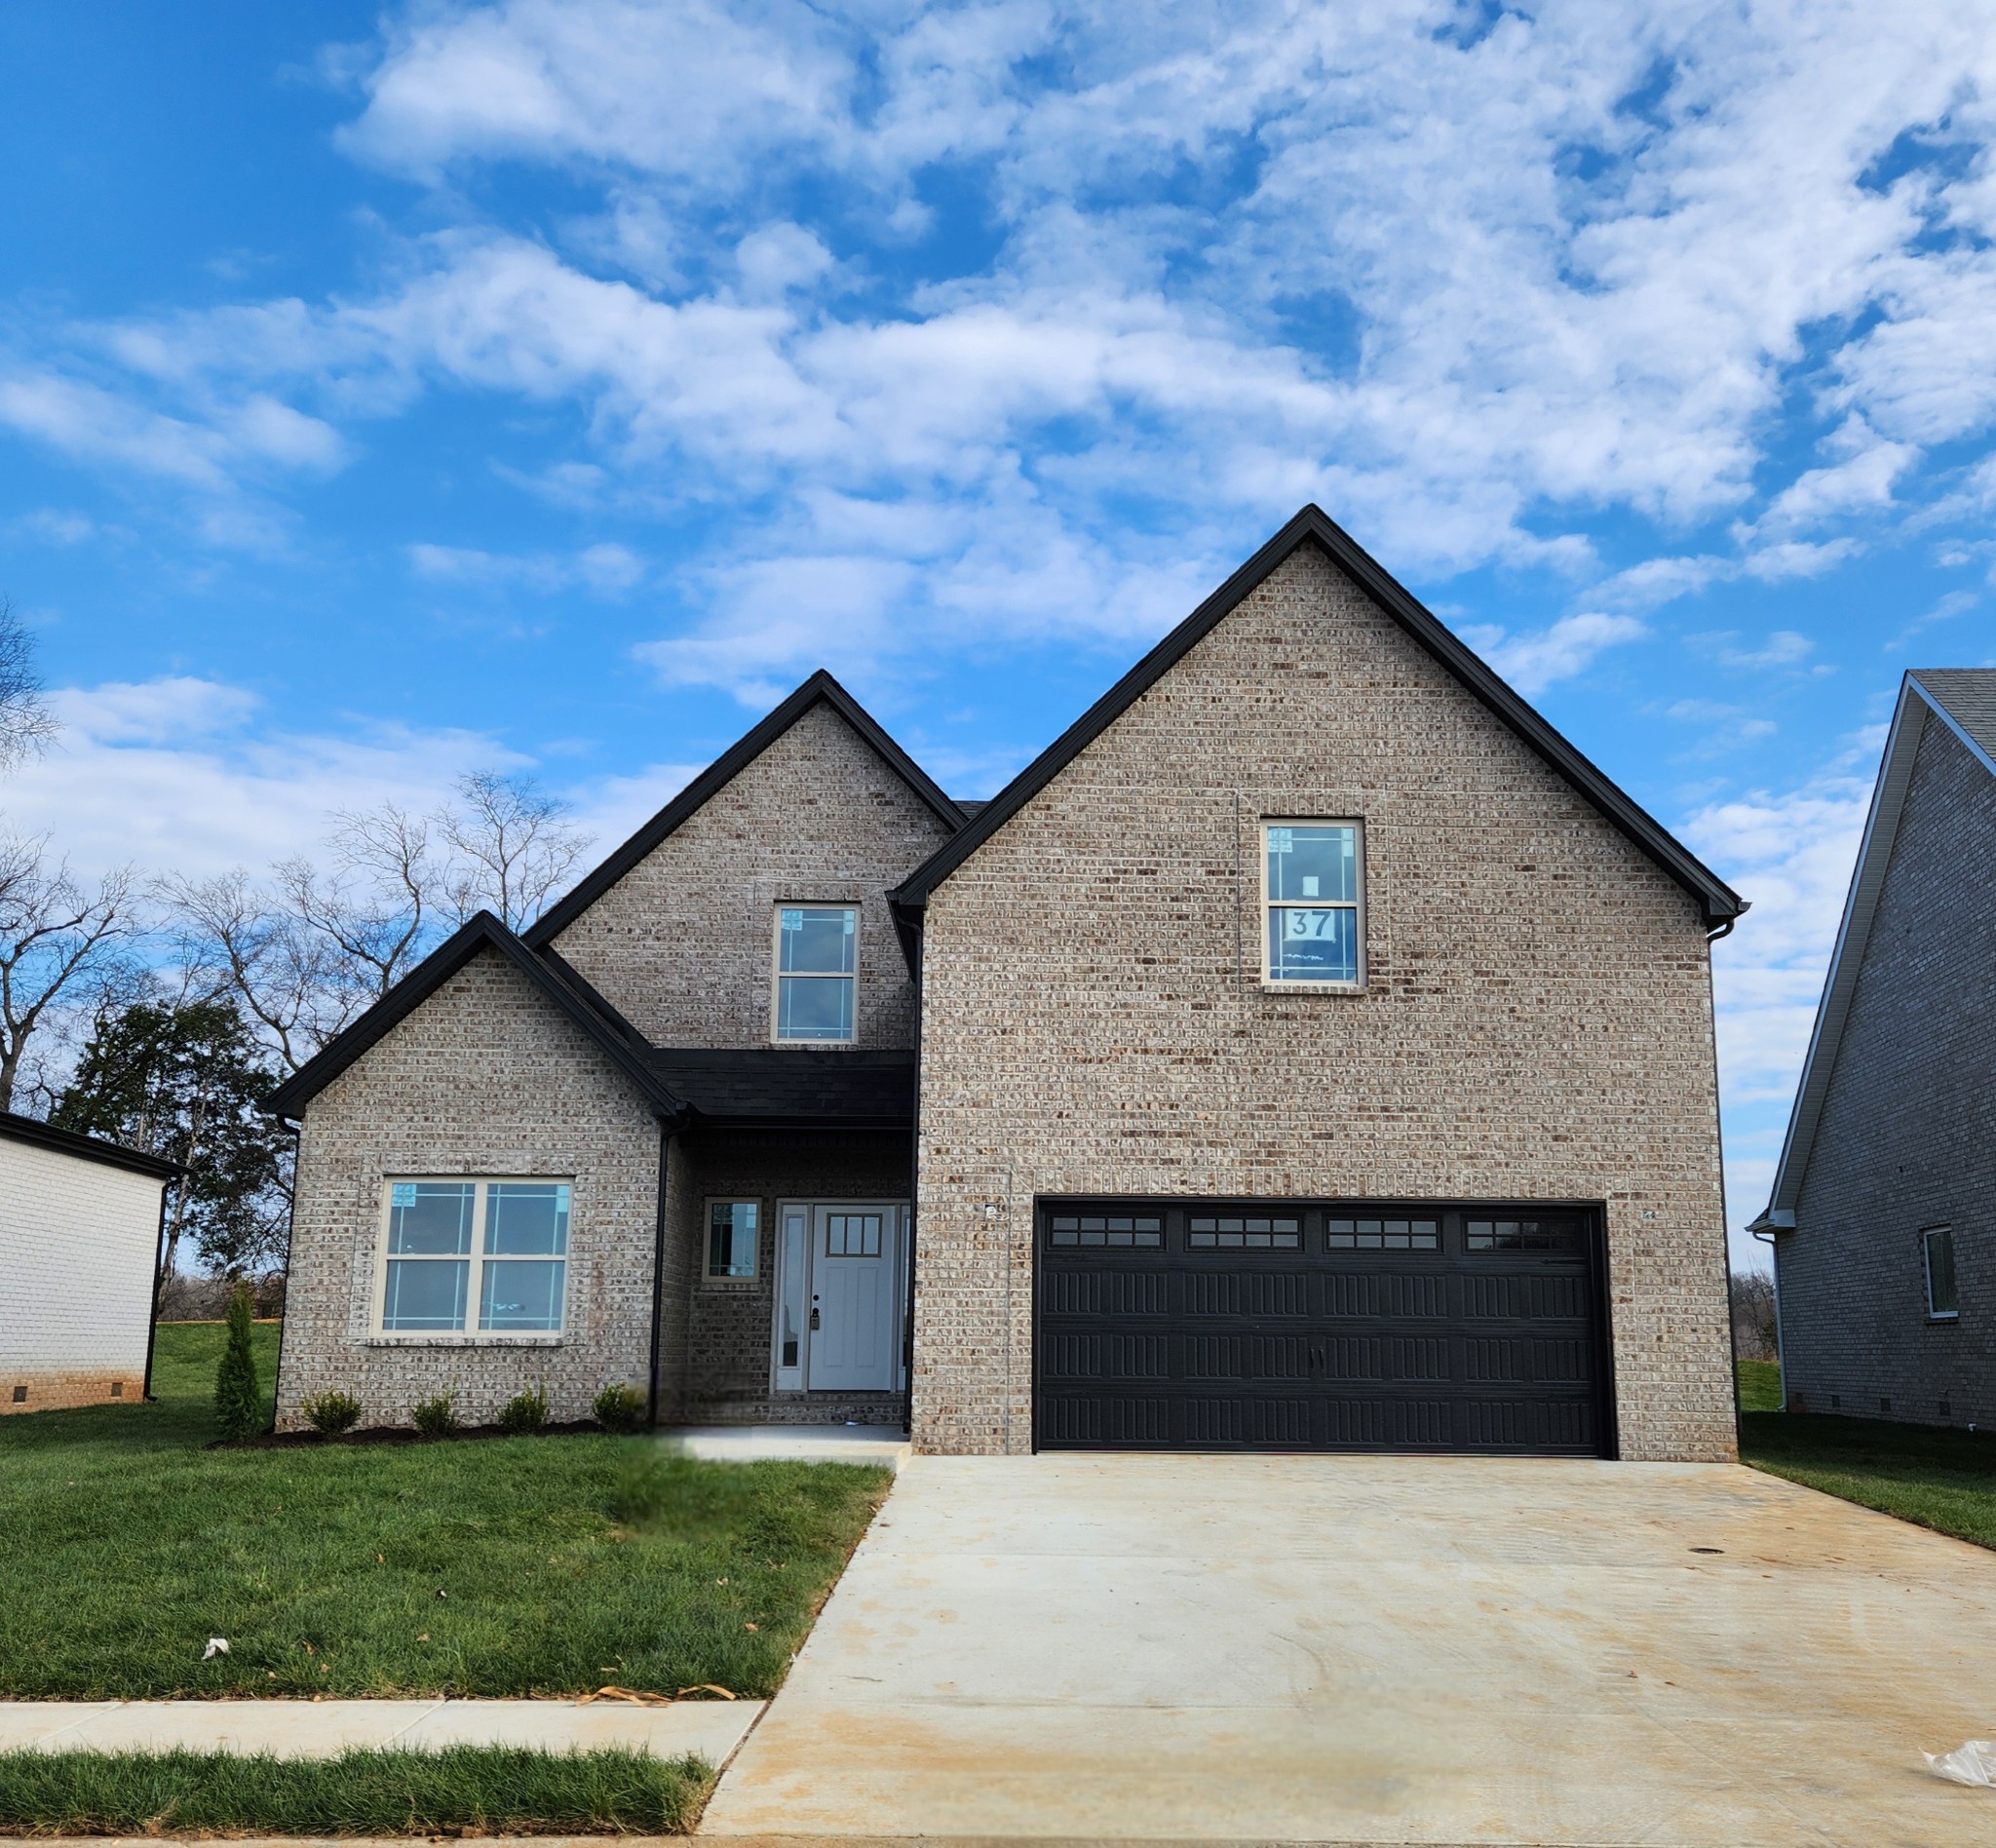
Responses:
[1309,1050]
[78,1247]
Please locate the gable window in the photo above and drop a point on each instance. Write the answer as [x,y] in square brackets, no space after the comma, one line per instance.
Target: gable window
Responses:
[1943,1305]
[475,1257]
[733,1229]
[816,964]
[1311,887]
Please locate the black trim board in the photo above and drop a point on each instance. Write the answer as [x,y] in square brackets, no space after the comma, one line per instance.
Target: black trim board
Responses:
[563,986]
[1719,902]
[820,687]
[89,1148]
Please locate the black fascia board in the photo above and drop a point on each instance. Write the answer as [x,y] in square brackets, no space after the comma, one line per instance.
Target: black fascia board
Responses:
[89,1148]
[724,769]
[481,932]
[1718,901]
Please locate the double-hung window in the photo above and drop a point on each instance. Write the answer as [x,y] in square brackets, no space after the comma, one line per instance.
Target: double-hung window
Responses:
[1311,885]
[817,967]
[475,1257]
[733,1230]
[1942,1302]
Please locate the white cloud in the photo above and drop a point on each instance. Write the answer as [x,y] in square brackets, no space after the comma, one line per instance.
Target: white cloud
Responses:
[607,569]
[1532,663]
[1450,284]
[170,775]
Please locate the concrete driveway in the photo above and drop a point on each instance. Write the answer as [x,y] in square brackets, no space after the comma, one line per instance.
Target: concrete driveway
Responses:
[1361,1650]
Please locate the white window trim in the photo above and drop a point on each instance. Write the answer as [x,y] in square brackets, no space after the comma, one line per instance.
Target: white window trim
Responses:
[1927,1273]
[777,973]
[1358,829]
[468,1336]
[707,1277]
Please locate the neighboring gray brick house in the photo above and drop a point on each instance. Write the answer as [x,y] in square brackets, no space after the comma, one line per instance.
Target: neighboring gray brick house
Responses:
[1314,1051]
[1881,1213]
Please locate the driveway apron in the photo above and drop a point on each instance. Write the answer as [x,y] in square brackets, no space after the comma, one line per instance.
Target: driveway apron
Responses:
[1380,1649]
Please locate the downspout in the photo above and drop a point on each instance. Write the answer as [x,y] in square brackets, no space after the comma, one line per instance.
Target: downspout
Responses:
[1781,1345]
[1711,1006]
[283,1321]
[658,1274]
[907,1355]
[152,1306]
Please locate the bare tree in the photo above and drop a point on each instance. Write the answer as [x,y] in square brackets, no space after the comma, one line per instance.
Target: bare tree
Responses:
[512,847]
[321,943]
[236,939]
[26,725]
[58,940]
[1754,1336]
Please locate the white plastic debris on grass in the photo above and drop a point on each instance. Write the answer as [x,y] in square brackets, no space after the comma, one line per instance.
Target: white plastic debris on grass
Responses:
[1973,1763]
[217,1645]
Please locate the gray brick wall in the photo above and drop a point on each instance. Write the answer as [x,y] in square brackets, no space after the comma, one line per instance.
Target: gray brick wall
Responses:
[1908,1137]
[683,944]
[487,1078]
[1537,1024]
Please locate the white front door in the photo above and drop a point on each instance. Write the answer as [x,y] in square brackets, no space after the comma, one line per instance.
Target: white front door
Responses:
[854,1341]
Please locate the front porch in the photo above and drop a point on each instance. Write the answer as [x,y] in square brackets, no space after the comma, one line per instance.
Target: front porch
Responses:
[784,1297]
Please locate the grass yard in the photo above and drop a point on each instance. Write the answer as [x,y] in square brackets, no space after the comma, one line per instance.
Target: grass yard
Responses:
[1926,1474]
[1760,1385]
[463,1790]
[526,1567]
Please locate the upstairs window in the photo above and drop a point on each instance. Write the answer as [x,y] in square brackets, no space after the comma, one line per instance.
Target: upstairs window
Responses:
[1942,1302]
[816,965]
[475,1257]
[1312,885]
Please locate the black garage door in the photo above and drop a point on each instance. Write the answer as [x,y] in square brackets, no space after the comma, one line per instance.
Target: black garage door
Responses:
[1320,1326]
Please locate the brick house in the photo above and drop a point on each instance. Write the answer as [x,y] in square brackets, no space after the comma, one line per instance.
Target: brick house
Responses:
[1880,1215]
[1309,1049]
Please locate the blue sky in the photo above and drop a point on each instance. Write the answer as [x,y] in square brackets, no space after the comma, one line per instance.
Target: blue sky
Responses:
[389,393]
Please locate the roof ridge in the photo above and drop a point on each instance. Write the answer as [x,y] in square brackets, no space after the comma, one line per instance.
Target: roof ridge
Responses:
[1311,524]
[553,978]
[820,688]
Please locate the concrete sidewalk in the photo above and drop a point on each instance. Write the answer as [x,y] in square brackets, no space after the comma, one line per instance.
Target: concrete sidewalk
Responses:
[1379,1649]
[322,1729]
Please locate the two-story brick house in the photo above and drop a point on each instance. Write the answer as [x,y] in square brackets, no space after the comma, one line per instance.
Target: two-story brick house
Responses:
[1881,1213]
[1309,1049]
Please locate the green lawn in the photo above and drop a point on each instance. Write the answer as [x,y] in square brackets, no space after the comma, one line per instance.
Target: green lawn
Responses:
[1760,1385]
[524,1566]
[485,1790]
[1926,1474]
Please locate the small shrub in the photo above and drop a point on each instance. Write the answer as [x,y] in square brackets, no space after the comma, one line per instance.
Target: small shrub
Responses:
[435,1417]
[238,1397]
[525,1411]
[619,1407]
[330,1413]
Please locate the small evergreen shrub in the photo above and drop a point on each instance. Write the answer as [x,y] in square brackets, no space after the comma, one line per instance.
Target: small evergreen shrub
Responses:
[619,1407]
[435,1417]
[238,1397]
[525,1411]
[330,1413]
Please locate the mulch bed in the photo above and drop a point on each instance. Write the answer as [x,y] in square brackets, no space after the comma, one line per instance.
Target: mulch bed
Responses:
[405,1434]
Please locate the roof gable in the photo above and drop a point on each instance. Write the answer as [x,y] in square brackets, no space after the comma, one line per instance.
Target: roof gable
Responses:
[1719,904]
[547,974]
[1963,701]
[87,1148]
[819,689]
